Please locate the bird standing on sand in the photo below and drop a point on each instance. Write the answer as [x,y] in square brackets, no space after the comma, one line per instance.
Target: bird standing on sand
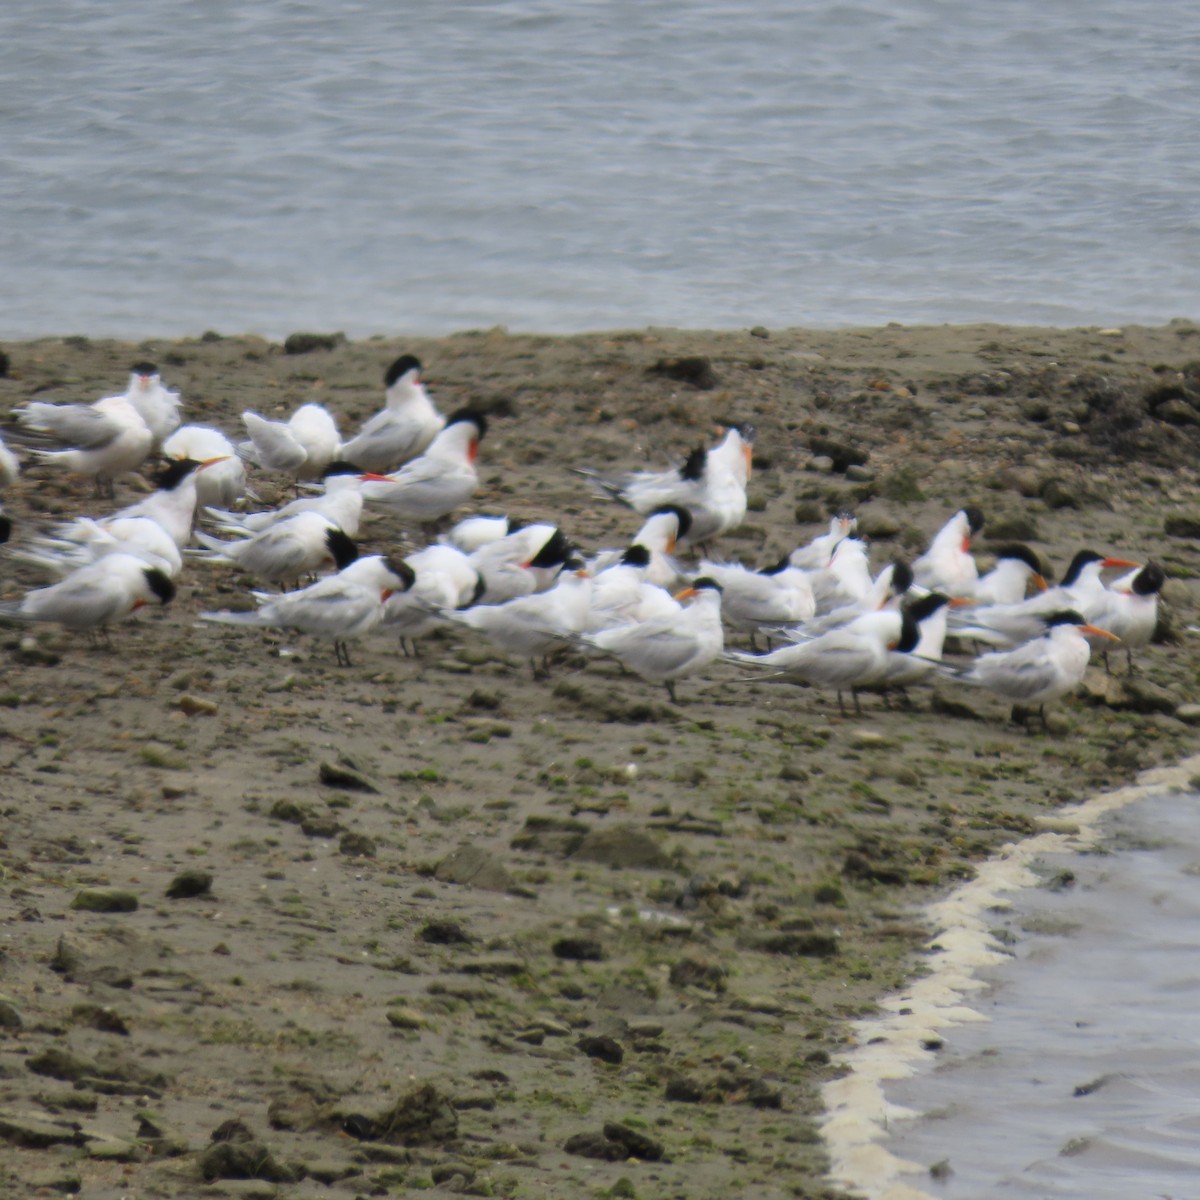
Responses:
[285,552]
[852,656]
[404,427]
[664,649]
[337,609]
[434,485]
[95,595]
[1041,670]
[106,439]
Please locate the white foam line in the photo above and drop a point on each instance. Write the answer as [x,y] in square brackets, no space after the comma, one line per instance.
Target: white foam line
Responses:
[889,1046]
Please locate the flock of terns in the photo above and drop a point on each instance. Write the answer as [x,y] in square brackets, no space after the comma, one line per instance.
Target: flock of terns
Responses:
[527,587]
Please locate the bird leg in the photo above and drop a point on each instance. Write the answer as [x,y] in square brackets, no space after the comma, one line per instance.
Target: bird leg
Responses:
[670,686]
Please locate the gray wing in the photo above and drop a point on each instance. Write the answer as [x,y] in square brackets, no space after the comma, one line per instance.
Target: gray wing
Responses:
[75,424]
[274,446]
[1017,675]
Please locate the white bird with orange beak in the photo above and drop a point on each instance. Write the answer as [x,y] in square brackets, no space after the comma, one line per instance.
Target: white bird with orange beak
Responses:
[855,655]
[533,625]
[1008,625]
[665,649]
[339,608]
[223,479]
[95,595]
[434,485]
[947,566]
[1041,670]
[659,533]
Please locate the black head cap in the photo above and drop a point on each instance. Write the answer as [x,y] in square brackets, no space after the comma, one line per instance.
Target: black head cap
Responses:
[575,561]
[400,368]
[774,569]
[1067,616]
[341,546]
[748,432]
[902,577]
[694,464]
[469,414]
[681,515]
[512,524]
[707,584]
[974,518]
[340,467]
[1146,582]
[143,368]
[554,551]
[402,571]
[1021,553]
[636,556]
[1080,561]
[161,584]
[910,632]
[174,472]
[926,606]
[6,528]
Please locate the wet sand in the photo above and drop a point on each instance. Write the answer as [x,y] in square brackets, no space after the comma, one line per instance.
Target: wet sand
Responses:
[480,932]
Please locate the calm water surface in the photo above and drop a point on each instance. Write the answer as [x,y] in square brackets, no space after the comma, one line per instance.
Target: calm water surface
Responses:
[381,166]
[1085,1082]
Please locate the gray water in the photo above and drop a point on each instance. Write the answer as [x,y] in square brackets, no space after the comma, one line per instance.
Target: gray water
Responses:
[1085,1081]
[380,166]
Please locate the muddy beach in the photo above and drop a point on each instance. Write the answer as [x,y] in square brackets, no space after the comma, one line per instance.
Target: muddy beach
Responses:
[272,926]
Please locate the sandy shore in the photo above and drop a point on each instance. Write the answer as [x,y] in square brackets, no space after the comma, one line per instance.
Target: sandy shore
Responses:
[543,938]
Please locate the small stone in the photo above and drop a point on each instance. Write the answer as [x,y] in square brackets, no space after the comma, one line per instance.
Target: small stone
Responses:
[338,775]
[684,1090]
[197,706]
[801,944]
[691,972]
[760,331]
[421,1115]
[578,949]
[1189,714]
[188,884]
[444,933]
[10,1014]
[104,900]
[857,473]
[694,369]
[59,1179]
[35,1132]
[405,1018]
[357,845]
[320,826]
[622,846]
[306,343]
[1057,493]
[1183,525]
[475,867]
[638,1144]
[606,1049]
[596,1145]
[822,464]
